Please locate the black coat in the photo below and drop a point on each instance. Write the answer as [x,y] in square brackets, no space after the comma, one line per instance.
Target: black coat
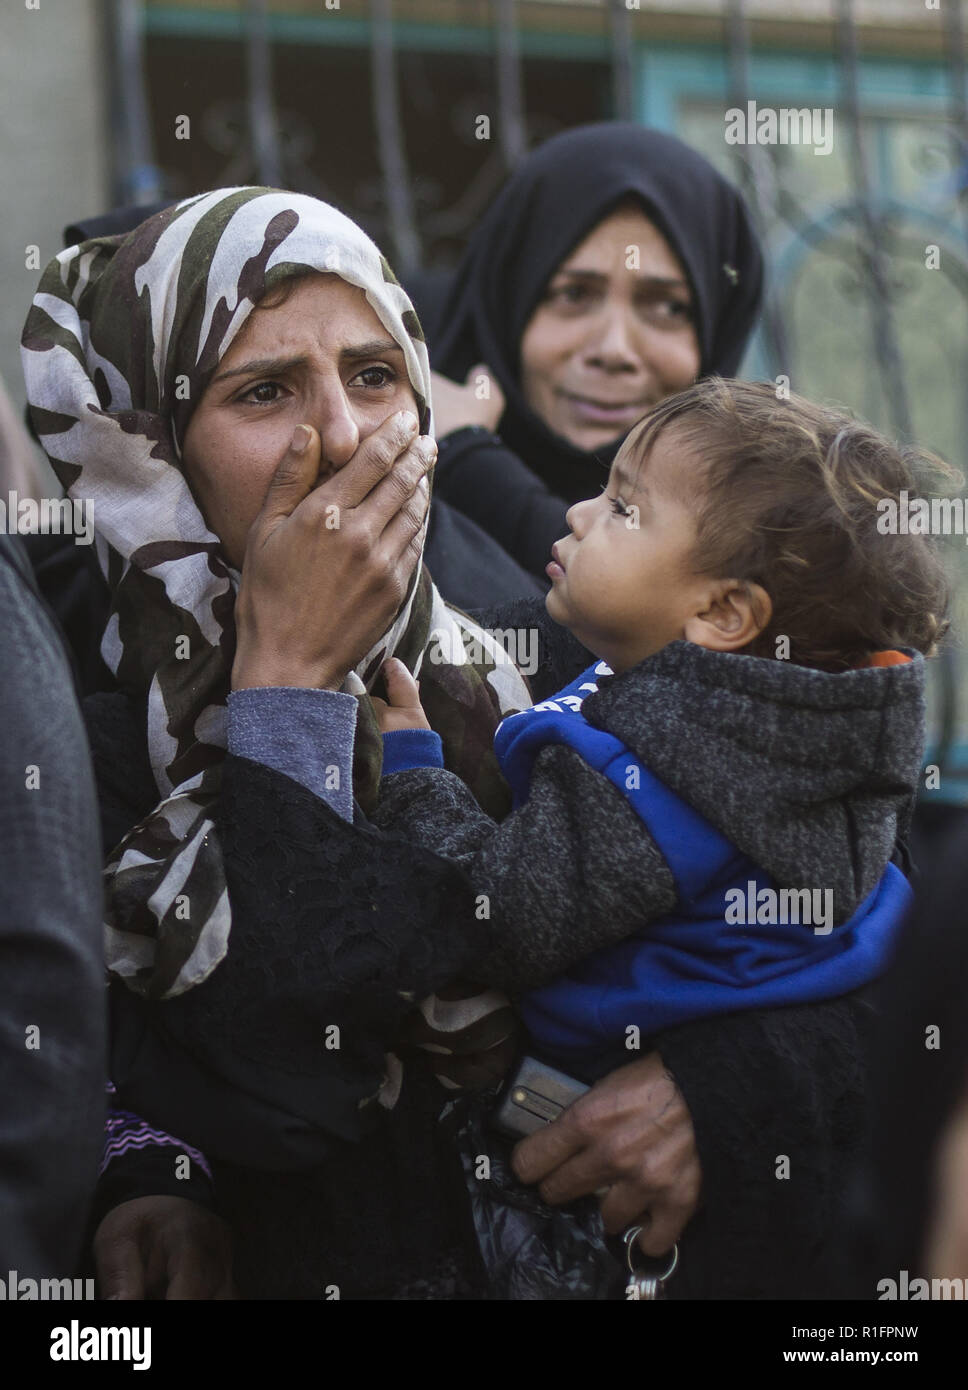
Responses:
[479,477]
[470,567]
[331,924]
[52,1035]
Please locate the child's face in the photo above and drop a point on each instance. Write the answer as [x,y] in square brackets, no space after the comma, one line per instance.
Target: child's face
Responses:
[623,579]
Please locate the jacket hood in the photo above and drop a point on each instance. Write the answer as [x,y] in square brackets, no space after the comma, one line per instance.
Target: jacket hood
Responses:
[813,775]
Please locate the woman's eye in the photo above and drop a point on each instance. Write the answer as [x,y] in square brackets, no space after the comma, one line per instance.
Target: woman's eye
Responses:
[618,506]
[378,376]
[259,394]
[571,294]
[669,310]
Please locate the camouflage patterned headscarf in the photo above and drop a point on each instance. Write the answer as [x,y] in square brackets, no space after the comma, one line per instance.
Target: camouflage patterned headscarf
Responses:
[122,339]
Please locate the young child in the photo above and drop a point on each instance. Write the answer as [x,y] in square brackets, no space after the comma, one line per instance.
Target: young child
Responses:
[704,820]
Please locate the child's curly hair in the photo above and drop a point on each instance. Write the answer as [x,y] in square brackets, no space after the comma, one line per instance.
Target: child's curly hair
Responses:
[787,499]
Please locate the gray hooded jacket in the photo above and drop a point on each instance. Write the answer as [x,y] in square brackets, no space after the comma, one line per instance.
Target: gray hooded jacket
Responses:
[812,775]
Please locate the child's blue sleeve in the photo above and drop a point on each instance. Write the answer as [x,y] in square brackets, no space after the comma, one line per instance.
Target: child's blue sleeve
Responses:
[404,749]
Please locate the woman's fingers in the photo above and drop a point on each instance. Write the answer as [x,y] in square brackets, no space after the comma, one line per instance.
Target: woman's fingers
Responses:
[295,476]
[403,536]
[401,504]
[326,507]
[355,539]
[371,464]
[406,485]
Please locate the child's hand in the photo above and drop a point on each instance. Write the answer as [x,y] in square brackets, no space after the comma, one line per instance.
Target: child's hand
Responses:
[404,710]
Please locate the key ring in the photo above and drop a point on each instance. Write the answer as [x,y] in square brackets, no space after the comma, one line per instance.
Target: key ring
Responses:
[646,1287]
[629,1238]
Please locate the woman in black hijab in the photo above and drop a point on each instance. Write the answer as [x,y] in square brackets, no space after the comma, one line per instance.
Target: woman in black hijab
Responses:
[615,267]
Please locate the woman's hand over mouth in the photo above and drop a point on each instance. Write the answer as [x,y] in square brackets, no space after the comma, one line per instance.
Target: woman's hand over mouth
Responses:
[327,567]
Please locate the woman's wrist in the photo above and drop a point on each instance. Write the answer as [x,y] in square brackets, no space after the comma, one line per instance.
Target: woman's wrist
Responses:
[249,676]
[255,669]
[267,658]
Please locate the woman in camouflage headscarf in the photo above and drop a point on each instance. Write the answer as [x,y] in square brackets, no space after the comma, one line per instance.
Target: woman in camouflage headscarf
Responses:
[122,343]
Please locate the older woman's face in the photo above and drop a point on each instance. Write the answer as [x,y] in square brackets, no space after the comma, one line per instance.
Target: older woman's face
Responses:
[611,338]
[322,357]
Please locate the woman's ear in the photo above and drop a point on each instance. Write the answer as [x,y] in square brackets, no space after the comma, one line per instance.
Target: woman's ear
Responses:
[736,614]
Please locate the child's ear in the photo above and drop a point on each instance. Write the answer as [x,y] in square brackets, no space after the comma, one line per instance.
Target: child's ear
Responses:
[736,614]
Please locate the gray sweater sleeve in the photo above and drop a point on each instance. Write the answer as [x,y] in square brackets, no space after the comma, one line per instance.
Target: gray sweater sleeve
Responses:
[304,734]
[572,870]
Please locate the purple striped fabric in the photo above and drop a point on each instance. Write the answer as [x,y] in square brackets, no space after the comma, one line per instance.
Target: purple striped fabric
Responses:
[125,1132]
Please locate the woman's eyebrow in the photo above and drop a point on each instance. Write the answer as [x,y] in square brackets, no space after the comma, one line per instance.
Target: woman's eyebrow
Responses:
[267,366]
[666,282]
[378,348]
[274,366]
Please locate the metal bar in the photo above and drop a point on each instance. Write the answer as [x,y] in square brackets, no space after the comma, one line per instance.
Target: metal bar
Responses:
[949,672]
[263,130]
[948,685]
[138,179]
[756,177]
[620,25]
[871,242]
[956,56]
[389,135]
[955,53]
[512,130]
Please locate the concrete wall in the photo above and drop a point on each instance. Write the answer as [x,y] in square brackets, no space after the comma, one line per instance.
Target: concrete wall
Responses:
[53,146]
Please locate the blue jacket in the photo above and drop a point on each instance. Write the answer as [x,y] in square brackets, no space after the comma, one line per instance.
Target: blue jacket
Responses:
[703,958]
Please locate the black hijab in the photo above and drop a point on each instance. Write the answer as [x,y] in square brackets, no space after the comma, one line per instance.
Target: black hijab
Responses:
[550,204]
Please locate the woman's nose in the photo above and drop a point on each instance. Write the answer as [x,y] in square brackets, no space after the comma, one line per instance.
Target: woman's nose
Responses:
[615,343]
[339,432]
